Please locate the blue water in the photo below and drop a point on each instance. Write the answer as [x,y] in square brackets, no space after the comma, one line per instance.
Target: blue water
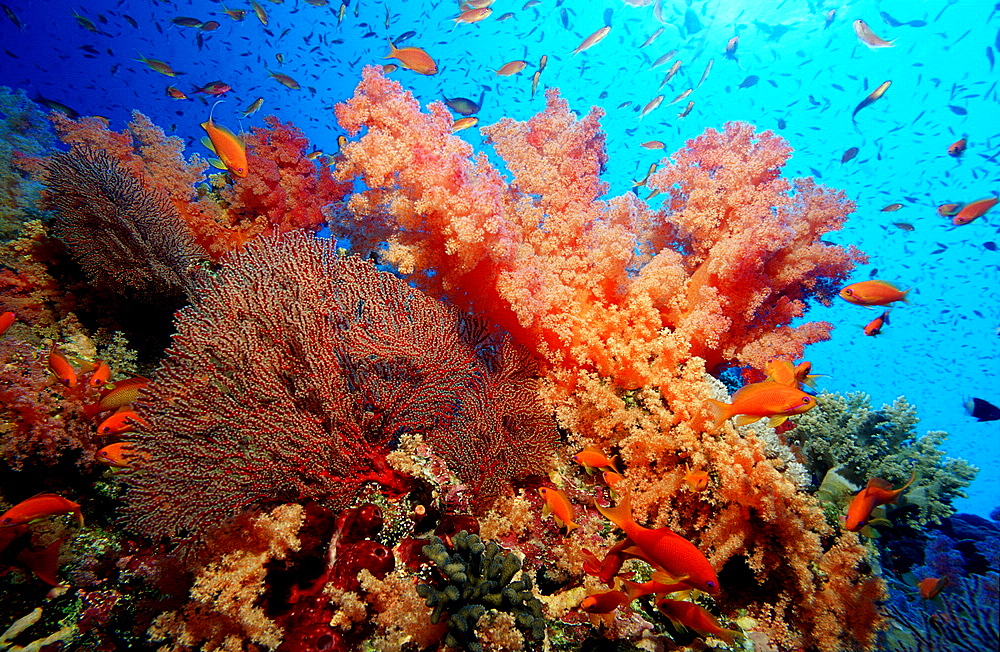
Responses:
[937,352]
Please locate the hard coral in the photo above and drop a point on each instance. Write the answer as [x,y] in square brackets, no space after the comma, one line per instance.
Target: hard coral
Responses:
[845,433]
[477,579]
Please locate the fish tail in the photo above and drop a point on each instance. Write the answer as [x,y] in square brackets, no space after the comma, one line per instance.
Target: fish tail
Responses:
[79,516]
[906,292]
[620,514]
[720,412]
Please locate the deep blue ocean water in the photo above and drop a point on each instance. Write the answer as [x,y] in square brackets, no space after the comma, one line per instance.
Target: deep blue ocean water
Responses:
[938,351]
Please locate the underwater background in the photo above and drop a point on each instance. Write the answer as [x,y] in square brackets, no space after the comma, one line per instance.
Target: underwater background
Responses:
[797,68]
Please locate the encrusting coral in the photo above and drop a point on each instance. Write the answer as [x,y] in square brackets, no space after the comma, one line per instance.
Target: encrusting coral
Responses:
[844,433]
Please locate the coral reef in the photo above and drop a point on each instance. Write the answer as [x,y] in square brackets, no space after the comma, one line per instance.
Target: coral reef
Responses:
[846,434]
[24,132]
[479,578]
[295,372]
[125,237]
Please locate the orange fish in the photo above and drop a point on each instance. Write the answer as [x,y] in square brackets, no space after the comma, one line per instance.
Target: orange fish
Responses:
[873,293]
[957,148]
[39,506]
[652,587]
[868,37]
[123,393]
[758,400]
[973,211]
[227,146]
[611,478]
[558,504]
[607,568]
[653,144]
[696,480]
[592,40]
[413,59]
[473,15]
[61,367]
[694,617]
[120,455]
[7,320]
[602,605]
[930,587]
[874,327]
[161,67]
[101,375]
[176,93]
[782,371]
[284,80]
[947,210]
[511,68]
[119,422]
[665,549]
[594,458]
[878,492]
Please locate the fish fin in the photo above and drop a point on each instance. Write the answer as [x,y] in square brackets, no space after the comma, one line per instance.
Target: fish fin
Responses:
[217,164]
[206,141]
[905,293]
[720,412]
[777,420]
[745,419]
[570,526]
[620,514]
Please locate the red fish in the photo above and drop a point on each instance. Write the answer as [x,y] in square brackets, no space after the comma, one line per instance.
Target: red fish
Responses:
[43,562]
[874,327]
[101,375]
[930,587]
[782,371]
[957,148]
[973,211]
[227,146]
[873,293]
[214,88]
[121,455]
[119,422]
[947,210]
[665,549]
[691,615]
[878,492]
[37,507]
[61,367]
[7,320]
[755,401]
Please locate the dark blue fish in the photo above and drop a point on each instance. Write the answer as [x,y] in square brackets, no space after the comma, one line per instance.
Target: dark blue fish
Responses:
[848,155]
[691,23]
[957,110]
[982,410]
[889,20]
[749,81]
[989,55]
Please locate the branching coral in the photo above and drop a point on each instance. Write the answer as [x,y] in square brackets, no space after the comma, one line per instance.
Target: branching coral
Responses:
[126,237]
[479,578]
[296,371]
[845,433]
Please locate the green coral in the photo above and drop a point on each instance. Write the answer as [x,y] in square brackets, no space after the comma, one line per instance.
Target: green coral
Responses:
[846,434]
[478,578]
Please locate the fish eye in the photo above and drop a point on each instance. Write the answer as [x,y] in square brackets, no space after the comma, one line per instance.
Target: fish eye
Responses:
[806,399]
[848,291]
[710,584]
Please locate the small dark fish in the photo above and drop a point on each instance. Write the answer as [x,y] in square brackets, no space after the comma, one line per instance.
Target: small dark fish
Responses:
[184,21]
[889,20]
[991,246]
[892,208]
[691,22]
[989,55]
[405,35]
[903,226]
[781,123]
[957,110]
[608,13]
[462,105]
[12,16]
[848,155]
[982,410]
[749,81]
[917,23]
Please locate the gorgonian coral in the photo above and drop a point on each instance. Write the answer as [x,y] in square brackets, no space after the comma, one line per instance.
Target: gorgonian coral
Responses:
[296,371]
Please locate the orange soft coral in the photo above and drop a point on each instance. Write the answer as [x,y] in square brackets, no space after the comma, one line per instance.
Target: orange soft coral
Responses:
[610,286]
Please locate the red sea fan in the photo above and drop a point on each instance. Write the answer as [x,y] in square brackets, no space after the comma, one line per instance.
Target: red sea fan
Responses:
[296,371]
